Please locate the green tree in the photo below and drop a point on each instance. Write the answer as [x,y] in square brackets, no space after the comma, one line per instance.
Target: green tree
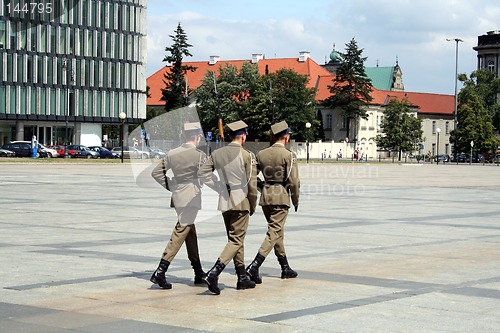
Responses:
[224,96]
[351,87]
[473,117]
[292,101]
[401,130]
[175,93]
[245,94]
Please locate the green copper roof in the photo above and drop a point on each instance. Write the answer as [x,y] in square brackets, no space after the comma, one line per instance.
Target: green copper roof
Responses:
[382,77]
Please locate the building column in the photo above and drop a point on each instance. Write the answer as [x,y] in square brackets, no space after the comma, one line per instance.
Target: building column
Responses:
[77,139]
[19,131]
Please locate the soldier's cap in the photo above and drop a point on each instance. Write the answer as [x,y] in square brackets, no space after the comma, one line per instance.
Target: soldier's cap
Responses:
[237,127]
[280,129]
[192,129]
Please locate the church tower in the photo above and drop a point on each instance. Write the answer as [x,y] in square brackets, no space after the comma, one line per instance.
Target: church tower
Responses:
[488,51]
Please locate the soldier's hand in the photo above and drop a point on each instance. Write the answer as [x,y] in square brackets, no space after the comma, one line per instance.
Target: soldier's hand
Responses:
[296,207]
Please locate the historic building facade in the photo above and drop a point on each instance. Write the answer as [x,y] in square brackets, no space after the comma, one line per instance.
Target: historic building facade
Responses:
[67,70]
[435,110]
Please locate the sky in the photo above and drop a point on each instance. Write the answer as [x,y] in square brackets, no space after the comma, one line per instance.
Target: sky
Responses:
[414,33]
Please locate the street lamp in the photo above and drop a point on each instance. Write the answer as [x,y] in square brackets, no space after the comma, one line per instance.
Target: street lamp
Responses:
[438,130]
[455,125]
[122,117]
[308,126]
[471,146]
[66,105]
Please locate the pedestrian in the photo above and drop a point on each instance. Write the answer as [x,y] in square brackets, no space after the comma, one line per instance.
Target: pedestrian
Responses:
[184,161]
[236,168]
[278,165]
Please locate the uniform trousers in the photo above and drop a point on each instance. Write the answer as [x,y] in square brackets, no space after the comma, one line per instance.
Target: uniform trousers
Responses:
[276,216]
[184,231]
[236,222]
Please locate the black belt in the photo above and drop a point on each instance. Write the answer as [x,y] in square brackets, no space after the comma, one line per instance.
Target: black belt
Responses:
[274,183]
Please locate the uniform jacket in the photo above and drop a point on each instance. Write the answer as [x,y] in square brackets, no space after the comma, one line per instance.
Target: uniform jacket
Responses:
[278,166]
[184,162]
[236,168]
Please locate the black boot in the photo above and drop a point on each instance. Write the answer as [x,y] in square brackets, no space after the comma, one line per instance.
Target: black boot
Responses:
[286,271]
[253,268]
[158,276]
[198,272]
[243,281]
[212,277]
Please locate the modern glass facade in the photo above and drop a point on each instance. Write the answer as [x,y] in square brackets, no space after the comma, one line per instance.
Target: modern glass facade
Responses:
[82,62]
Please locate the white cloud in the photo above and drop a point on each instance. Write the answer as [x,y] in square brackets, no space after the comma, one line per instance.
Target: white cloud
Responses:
[413,31]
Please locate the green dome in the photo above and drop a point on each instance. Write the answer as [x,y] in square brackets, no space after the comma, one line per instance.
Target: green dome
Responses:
[334,56]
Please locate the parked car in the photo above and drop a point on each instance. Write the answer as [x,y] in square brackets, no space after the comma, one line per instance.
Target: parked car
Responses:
[84,151]
[460,158]
[496,159]
[23,149]
[50,152]
[6,153]
[156,153]
[476,158]
[71,152]
[104,152]
[131,152]
[442,158]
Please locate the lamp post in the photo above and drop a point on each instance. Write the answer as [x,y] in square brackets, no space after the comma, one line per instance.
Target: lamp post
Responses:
[122,117]
[455,122]
[471,146]
[66,105]
[438,130]
[308,127]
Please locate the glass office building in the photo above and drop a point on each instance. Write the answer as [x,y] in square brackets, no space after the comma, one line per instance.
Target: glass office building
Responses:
[70,68]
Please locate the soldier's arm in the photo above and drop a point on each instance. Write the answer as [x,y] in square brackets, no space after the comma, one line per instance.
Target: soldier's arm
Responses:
[206,175]
[252,183]
[159,174]
[293,181]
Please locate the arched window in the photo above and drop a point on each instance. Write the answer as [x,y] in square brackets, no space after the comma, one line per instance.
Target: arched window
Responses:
[491,66]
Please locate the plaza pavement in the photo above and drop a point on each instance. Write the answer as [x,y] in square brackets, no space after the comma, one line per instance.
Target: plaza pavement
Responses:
[378,248]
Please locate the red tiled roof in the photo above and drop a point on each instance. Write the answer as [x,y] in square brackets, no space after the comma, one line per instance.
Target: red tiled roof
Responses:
[320,79]
[426,102]
[307,67]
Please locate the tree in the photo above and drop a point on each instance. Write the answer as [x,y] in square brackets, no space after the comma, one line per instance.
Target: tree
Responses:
[401,129]
[476,108]
[176,91]
[292,101]
[245,94]
[351,87]
[224,96]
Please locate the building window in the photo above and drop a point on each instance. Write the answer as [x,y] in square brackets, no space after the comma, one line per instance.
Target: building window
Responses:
[491,66]
[447,126]
[329,121]
[433,127]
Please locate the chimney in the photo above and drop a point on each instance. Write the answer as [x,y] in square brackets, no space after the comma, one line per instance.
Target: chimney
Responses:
[213,60]
[304,55]
[256,57]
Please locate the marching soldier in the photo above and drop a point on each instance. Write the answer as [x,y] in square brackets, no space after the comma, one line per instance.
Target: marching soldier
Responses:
[236,168]
[281,181]
[184,162]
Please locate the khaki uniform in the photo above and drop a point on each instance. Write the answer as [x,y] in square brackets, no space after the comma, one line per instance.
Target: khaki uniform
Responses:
[237,171]
[278,166]
[184,162]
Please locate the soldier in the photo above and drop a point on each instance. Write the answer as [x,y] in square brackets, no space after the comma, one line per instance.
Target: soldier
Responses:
[184,162]
[281,180]
[236,168]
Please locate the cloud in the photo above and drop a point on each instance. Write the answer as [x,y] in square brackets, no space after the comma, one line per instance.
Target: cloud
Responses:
[414,32]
